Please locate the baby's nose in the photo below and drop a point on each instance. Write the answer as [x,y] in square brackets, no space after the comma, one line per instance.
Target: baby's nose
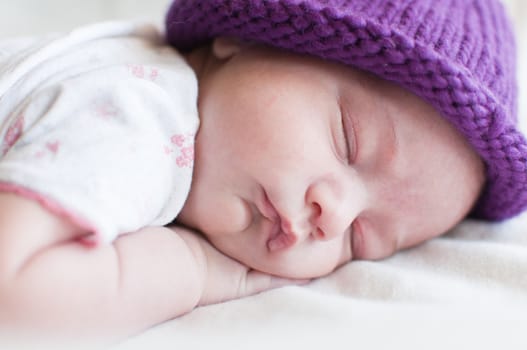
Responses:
[319,229]
[328,227]
[331,211]
[316,224]
[319,234]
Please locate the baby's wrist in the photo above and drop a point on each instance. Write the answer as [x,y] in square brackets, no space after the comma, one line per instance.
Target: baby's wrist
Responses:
[195,246]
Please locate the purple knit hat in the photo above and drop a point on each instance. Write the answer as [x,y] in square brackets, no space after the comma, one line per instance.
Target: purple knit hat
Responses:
[459,55]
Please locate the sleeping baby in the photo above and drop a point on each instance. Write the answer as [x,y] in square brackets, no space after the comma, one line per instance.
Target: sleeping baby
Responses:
[253,144]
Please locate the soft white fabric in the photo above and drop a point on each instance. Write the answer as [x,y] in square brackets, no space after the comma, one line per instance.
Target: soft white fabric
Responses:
[99,125]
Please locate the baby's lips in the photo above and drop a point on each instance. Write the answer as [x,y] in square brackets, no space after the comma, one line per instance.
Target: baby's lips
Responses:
[281,241]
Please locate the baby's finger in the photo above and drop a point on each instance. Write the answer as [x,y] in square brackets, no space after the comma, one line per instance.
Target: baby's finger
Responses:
[257,282]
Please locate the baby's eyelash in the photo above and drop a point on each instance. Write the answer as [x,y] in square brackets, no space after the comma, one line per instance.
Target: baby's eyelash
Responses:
[349,134]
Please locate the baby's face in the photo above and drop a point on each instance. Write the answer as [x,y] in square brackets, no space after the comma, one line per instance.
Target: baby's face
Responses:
[302,165]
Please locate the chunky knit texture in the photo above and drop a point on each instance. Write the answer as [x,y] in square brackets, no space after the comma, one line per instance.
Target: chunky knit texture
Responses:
[459,55]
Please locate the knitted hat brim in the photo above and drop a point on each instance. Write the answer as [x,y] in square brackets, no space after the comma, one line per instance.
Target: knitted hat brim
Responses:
[353,36]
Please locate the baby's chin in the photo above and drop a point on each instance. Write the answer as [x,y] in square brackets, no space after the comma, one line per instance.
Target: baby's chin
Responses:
[293,271]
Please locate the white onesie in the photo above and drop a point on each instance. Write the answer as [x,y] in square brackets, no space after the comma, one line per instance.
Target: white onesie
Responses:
[98,126]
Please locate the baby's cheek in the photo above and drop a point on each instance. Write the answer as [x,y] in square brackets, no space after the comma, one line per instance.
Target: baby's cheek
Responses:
[226,215]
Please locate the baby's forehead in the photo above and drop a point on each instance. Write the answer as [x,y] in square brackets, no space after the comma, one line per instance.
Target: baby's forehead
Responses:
[344,81]
[268,57]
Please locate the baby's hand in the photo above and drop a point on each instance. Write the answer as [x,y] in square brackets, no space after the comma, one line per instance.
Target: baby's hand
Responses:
[227,279]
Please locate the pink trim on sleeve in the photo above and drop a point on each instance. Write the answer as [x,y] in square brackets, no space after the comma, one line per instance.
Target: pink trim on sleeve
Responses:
[90,240]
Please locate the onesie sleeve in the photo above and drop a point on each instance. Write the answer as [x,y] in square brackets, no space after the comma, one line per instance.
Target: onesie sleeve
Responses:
[111,148]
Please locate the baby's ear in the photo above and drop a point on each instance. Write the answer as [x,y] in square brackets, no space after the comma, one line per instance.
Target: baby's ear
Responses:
[224,48]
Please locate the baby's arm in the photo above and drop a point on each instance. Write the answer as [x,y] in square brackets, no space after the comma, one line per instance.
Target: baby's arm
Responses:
[51,283]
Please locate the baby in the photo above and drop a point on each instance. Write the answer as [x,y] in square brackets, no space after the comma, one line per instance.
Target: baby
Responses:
[328,131]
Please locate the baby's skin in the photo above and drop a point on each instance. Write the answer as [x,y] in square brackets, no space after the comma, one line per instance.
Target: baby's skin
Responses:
[301,165]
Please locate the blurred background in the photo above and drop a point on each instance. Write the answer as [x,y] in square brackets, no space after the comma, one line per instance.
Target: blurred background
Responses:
[23,17]
[29,17]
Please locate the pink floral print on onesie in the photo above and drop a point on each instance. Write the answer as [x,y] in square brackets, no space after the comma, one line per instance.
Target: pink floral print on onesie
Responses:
[13,134]
[182,146]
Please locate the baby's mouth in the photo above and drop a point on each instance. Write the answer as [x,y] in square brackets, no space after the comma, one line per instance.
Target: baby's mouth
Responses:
[280,240]
[277,238]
